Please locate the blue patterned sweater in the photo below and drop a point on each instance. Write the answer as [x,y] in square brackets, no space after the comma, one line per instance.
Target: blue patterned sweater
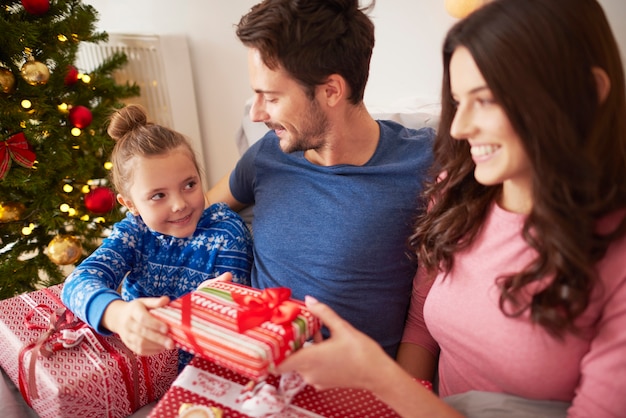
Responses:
[148,264]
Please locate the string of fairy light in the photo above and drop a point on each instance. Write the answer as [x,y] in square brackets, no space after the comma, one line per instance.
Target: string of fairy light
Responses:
[56,195]
[37,73]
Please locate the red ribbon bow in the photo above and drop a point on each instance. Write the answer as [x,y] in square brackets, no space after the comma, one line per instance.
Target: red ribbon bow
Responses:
[16,147]
[65,330]
[271,305]
[59,319]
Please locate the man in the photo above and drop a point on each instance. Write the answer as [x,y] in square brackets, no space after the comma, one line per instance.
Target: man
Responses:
[334,191]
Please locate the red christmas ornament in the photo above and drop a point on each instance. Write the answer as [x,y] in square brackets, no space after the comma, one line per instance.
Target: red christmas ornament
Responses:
[80,116]
[36,7]
[100,200]
[72,75]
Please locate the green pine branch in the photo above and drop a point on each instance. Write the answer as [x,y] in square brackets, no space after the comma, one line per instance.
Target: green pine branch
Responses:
[62,159]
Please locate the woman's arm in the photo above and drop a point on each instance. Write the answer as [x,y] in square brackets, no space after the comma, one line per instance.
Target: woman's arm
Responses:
[417,361]
[418,352]
[349,358]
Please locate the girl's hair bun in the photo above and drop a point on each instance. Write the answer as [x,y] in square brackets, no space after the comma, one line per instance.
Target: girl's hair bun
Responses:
[126,120]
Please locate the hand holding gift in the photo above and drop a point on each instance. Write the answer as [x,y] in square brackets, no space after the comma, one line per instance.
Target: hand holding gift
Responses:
[244,329]
[139,330]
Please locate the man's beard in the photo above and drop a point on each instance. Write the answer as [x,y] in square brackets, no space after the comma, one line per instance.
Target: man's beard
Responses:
[312,133]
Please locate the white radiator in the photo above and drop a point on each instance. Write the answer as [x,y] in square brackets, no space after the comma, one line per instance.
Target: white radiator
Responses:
[161,66]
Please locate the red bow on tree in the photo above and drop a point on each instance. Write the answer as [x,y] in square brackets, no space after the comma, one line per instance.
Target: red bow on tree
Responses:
[271,305]
[15,148]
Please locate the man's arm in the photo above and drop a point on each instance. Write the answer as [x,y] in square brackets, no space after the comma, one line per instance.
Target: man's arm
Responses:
[221,193]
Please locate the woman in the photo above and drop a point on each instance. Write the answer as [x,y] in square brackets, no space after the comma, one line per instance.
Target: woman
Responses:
[521,291]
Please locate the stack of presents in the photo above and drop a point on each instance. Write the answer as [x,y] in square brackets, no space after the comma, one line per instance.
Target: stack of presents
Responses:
[238,335]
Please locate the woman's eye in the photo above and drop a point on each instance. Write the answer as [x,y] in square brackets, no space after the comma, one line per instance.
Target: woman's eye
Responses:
[484,101]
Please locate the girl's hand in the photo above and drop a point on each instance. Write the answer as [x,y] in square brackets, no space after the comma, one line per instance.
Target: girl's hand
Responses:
[224,277]
[139,330]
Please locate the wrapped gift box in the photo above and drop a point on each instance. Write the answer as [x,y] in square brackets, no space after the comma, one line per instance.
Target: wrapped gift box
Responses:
[239,327]
[64,369]
[205,384]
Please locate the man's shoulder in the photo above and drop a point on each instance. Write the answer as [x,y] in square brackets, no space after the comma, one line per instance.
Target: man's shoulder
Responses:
[269,141]
[392,130]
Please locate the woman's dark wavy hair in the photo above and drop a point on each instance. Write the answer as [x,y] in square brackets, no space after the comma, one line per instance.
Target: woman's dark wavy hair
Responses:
[537,56]
[312,39]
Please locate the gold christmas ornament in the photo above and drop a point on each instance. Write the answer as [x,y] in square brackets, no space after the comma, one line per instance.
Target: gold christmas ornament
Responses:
[35,72]
[64,249]
[11,212]
[7,80]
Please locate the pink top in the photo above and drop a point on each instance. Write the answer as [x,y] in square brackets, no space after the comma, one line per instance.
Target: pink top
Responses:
[481,349]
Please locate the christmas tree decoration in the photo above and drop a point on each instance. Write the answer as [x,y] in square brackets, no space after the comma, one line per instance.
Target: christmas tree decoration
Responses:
[72,76]
[11,211]
[80,116]
[35,122]
[35,73]
[7,80]
[36,7]
[15,148]
[100,200]
[64,250]
[461,8]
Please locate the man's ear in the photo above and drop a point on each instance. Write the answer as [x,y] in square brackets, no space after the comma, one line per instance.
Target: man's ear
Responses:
[127,203]
[334,89]
[603,83]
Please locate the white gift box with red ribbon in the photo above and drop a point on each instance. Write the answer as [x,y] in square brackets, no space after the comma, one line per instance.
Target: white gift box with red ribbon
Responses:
[205,385]
[63,368]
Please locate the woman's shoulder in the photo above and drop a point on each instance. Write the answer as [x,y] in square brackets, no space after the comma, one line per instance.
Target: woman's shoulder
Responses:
[612,267]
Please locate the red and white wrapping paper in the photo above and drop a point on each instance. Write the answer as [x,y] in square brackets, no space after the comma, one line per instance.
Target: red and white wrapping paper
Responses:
[70,371]
[204,383]
[241,328]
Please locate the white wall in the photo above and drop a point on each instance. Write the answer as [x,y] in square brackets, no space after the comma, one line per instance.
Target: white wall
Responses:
[406,61]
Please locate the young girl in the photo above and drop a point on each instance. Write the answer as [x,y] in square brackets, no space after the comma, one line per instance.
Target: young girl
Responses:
[167,245]
[521,291]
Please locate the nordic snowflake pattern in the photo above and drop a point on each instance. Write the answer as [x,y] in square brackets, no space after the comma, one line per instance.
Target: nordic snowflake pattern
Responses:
[145,263]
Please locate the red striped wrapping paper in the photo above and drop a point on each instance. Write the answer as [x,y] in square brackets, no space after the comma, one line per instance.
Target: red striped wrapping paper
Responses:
[205,323]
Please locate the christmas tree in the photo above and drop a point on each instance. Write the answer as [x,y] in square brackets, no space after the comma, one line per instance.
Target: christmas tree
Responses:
[55,203]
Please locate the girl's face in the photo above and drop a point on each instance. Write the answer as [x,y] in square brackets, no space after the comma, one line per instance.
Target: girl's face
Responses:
[496,149]
[167,192]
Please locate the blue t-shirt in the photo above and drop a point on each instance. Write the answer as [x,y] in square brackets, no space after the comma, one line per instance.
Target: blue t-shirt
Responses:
[149,264]
[339,233]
